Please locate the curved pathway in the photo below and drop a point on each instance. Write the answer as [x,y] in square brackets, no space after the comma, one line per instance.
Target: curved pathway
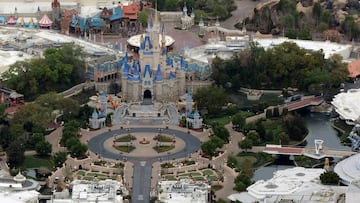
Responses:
[143,165]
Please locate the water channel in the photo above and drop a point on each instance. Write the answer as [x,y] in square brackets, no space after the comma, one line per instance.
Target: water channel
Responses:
[319,126]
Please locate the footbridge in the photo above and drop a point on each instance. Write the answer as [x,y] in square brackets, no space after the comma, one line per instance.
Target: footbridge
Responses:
[316,153]
[304,102]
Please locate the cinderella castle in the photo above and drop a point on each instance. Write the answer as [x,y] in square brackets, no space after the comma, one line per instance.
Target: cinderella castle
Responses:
[152,86]
[153,76]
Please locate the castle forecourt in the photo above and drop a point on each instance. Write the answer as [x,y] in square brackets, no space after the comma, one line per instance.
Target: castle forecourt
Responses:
[144,156]
[185,144]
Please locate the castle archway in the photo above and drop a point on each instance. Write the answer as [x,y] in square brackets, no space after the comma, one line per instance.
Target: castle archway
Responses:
[147,97]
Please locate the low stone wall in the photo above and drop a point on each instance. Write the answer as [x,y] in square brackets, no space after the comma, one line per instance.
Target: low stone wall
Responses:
[170,16]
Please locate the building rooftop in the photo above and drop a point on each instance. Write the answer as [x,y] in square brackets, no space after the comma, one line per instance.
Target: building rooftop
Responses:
[349,169]
[291,185]
[185,190]
[346,105]
[329,48]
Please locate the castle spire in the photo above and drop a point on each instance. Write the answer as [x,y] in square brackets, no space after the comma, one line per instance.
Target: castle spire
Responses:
[156,14]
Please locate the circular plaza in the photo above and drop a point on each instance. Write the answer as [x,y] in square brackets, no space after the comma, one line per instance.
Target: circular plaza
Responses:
[144,143]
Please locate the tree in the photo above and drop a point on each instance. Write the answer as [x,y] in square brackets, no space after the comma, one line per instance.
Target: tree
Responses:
[208,148]
[15,153]
[36,138]
[78,150]
[43,148]
[282,138]
[143,18]
[241,182]
[59,158]
[329,178]
[239,121]
[245,144]
[316,11]
[33,113]
[212,98]
[221,132]
[60,69]
[254,137]
[217,141]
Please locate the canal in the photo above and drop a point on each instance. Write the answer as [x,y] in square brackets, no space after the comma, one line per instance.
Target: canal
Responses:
[319,126]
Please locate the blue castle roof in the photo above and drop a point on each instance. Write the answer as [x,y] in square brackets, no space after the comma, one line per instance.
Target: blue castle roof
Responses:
[147,70]
[171,75]
[158,74]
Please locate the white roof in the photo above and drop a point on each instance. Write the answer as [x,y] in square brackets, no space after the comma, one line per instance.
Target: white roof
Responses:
[135,40]
[18,197]
[10,57]
[285,182]
[347,104]
[329,48]
[347,168]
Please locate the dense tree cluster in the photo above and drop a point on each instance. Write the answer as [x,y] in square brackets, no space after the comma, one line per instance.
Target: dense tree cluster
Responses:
[211,8]
[60,69]
[284,18]
[28,126]
[282,66]
[329,178]
[219,138]
[70,139]
[212,98]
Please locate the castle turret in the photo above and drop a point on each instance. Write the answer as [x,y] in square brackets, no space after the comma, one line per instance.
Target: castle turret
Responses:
[197,124]
[189,102]
[94,122]
[181,77]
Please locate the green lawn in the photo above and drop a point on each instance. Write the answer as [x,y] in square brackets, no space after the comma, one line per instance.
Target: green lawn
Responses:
[169,177]
[81,172]
[199,178]
[207,172]
[164,138]
[124,148]
[36,162]
[164,148]
[125,138]
[221,120]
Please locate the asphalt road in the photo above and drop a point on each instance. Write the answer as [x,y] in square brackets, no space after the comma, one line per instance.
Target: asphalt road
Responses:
[143,165]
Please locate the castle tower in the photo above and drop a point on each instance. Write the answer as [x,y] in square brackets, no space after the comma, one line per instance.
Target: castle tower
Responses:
[180,75]
[94,120]
[147,84]
[159,82]
[134,80]
[124,76]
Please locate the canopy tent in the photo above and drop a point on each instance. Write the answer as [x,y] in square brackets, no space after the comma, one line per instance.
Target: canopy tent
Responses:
[26,22]
[45,21]
[11,21]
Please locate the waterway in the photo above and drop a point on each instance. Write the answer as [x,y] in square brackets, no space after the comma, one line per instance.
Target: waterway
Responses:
[319,126]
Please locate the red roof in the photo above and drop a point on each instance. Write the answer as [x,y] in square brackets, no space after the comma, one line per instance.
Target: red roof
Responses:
[45,21]
[131,11]
[354,68]
[285,150]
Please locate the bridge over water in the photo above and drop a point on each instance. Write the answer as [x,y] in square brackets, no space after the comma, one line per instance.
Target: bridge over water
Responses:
[309,152]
